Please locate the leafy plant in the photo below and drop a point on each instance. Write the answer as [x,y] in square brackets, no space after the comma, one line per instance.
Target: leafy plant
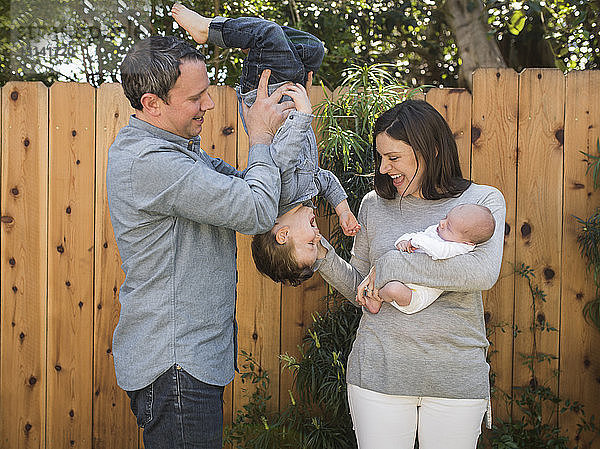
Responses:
[536,404]
[589,242]
[253,426]
[345,122]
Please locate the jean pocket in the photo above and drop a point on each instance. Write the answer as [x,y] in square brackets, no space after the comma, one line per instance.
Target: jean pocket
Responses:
[141,404]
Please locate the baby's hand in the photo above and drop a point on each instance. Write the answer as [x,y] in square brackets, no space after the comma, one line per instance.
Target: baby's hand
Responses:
[298,93]
[406,245]
[349,223]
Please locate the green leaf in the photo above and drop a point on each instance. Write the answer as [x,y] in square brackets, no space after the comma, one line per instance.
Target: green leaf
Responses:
[517,22]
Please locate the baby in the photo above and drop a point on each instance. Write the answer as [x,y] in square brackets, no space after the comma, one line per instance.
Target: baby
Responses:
[287,252]
[464,227]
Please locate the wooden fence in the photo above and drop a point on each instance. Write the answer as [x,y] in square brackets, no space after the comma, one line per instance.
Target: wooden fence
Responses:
[60,268]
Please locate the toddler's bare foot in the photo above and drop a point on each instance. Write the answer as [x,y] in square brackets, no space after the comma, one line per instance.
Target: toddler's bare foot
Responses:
[192,22]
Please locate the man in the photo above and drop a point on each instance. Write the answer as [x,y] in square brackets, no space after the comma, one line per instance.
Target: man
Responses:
[175,211]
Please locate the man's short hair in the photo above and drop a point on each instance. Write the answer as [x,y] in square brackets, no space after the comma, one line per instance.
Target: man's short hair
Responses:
[152,66]
[277,260]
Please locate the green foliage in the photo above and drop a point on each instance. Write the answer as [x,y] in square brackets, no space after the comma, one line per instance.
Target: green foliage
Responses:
[321,373]
[547,33]
[86,41]
[536,407]
[345,122]
[253,426]
[593,162]
[588,238]
[319,418]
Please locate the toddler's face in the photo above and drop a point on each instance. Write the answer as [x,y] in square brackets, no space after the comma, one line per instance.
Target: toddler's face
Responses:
[304,235]
[452,227]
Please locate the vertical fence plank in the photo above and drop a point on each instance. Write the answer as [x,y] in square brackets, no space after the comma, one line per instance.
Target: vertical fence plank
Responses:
[455,106]
[579,341]
[219,139]
[539,215]
[494,162]
[219,133]
[24,265]
[111,404]
[298,304]
[258,309]
[70,265]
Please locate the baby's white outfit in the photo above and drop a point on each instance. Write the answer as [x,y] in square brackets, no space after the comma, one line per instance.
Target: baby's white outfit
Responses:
[429,242]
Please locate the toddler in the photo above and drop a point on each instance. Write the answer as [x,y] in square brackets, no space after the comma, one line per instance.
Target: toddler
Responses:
[287,252]
[464,227]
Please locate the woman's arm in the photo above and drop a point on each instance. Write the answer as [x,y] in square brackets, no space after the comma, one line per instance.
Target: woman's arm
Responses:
[477,270]
[341,275]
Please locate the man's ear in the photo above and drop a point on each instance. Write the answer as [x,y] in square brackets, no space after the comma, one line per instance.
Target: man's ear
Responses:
[282,234]
[151,104]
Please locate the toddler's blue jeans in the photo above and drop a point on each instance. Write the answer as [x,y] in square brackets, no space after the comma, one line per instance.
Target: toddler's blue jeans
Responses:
[289,53]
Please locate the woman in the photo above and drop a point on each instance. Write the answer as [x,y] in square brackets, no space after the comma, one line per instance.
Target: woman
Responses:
[426,371]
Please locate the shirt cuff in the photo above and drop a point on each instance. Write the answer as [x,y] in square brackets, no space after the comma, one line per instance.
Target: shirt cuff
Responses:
[260,152]
[215,31]
[299,120]
[321,263]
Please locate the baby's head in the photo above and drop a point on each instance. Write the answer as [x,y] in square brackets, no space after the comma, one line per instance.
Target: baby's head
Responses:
[288,251]
[467,223]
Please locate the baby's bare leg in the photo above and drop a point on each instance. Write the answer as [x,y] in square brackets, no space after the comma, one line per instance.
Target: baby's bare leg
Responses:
[396,291]
[192,22]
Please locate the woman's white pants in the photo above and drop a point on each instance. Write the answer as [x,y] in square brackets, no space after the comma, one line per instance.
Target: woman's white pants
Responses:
[383,421]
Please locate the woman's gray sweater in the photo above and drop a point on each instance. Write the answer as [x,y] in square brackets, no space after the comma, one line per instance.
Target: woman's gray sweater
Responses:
[441,350]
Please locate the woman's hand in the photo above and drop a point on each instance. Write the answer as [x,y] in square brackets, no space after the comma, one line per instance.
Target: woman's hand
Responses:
[367,295]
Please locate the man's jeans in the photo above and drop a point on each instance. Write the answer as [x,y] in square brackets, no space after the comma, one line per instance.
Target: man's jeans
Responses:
[178,411]
[289,53]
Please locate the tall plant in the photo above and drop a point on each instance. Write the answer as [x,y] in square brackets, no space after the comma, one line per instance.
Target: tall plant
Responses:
[318,417]
[536,404]
[345,123]
[589,242]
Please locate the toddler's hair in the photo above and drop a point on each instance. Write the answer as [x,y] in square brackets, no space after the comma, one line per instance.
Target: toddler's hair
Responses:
[482,227]
[277,260]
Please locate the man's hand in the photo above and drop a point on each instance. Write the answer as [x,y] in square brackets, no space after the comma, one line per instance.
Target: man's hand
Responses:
[266,115]
[406,245]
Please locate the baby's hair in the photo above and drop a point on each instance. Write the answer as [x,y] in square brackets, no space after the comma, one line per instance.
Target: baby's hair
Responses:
[482,226]
[277,260]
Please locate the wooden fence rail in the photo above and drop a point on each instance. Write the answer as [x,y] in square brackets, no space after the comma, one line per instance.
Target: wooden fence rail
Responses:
[60,268]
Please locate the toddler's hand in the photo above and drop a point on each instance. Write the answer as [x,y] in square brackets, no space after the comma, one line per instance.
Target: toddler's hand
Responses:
[349,223]
[406,245]
[298,93]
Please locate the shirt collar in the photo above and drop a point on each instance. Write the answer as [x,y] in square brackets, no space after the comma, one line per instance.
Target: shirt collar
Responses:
[135,122]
